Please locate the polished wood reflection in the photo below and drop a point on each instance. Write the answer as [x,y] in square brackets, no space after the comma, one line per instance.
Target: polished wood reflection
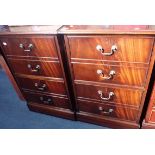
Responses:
[129,48]
[120,112]
[56,101]
[42,46]
[51,85]
[47,68]
[123,96]
[134,76]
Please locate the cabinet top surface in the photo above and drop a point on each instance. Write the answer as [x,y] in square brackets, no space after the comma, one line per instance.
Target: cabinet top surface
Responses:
[29,29]
[77,29]
[107,29]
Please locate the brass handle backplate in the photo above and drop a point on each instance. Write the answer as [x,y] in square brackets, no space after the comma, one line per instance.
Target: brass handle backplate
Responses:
[41,87]
[101,50]
[30,47]
[111,74]
[35,69]
[106,112]
[105,98]
[48,101]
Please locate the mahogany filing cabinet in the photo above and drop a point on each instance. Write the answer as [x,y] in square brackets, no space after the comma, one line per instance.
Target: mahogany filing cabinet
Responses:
[110,69]
[96,74]
[33,55]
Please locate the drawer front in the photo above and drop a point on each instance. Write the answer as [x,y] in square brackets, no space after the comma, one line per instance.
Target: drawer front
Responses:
[152,99]
[110,74]
[120,112]
[40,68]
[121,96]
[47,100]
[153,95]
[152,116]
[38,47]
[49,86]
[113,48]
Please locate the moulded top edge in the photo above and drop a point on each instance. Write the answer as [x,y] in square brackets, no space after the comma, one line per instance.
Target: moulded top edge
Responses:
[28,29]
[107,29]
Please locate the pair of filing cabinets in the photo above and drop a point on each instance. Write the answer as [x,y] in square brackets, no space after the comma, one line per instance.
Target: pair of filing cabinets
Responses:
[82,73]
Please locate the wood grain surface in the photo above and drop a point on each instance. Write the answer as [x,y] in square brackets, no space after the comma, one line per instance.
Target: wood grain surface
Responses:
[129,48]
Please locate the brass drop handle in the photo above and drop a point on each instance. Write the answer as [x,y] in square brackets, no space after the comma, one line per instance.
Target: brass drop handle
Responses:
[48,101]
[35,69]
[101,49]
[106,112]
[111,74]
[43,87]
[30,47]
[105,98]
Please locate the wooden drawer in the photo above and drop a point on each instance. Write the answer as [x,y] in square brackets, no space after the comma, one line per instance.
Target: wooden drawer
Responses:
[110,74]
[153,95]
[56,101]
[152,116]
[30,46]
[152,101]
[129,48]
[49,86]
[120,112]
[113,95]
[36,67]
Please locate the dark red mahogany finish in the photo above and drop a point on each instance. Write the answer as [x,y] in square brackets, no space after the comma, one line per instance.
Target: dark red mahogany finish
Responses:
[110,70]
[96,74]
[33,55]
